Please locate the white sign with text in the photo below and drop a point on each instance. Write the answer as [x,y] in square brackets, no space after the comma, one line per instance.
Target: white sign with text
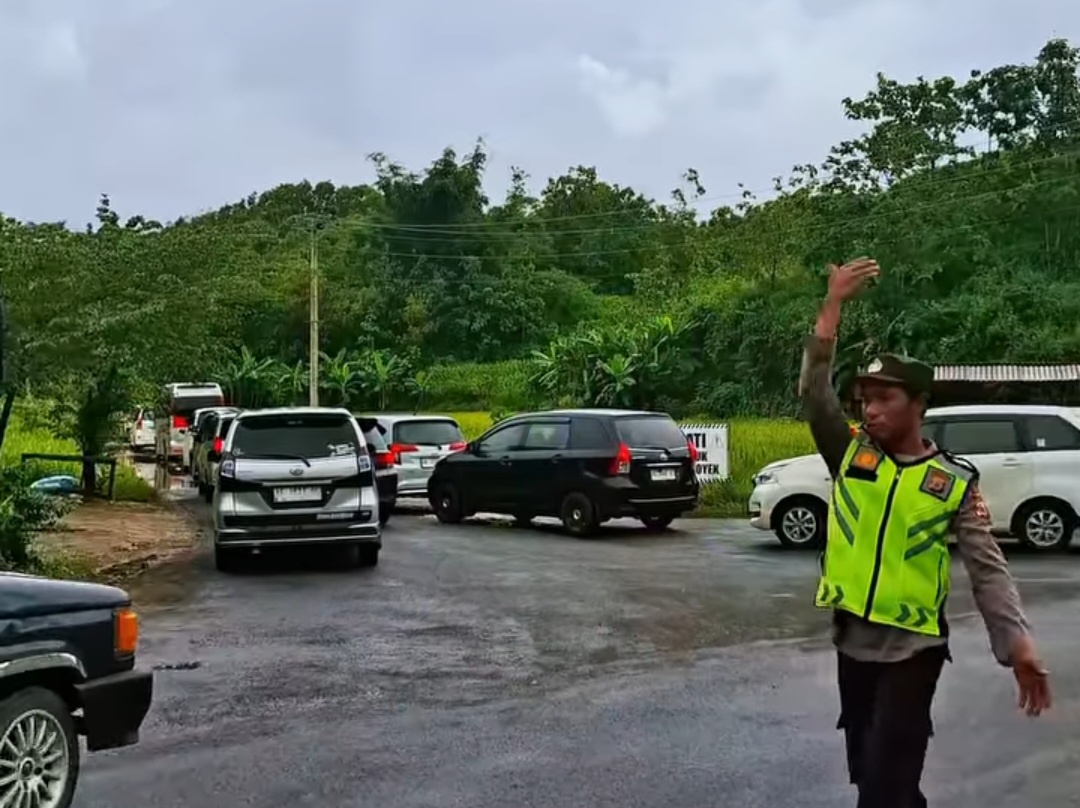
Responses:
[711,442]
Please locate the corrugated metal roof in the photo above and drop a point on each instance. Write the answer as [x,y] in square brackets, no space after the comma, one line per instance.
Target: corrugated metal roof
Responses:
[1007,373]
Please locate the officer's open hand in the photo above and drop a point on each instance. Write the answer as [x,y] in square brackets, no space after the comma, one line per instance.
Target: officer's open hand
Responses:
[1032,678]
[847,280]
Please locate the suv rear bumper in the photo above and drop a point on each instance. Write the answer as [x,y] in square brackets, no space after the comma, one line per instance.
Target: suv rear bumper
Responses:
[290,536]
[114,708]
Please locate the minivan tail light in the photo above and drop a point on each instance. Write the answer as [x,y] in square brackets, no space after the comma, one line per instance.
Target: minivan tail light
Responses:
[458,446]
[621,462]
[693,451]
[384,460]
[398,449]
[180,422]
[219,444]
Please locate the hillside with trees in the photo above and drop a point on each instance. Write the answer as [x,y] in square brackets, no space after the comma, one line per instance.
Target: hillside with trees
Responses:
[966,190]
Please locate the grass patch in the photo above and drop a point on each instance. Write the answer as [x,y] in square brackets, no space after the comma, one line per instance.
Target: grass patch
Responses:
[752,443]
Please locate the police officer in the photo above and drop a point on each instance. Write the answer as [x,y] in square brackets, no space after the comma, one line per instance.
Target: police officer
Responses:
[885,570]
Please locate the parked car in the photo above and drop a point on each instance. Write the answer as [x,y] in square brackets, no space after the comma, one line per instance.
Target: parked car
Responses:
[1028,457]
[417,443]
[207,446]
[295,476]
[141,434]
[67,668]
[582,466]
[195,432]
[386,476]
[178,405]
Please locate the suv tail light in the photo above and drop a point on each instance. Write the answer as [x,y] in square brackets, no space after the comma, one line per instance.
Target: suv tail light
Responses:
[620,464]
[458,446]
[398,449]
[693,451]
[384,460]
[219,444]
[180,422]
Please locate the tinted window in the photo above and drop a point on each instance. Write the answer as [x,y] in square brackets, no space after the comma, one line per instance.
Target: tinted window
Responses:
[589,433]
[978,437]
[1047,433]
[547,435]
[298,435]
[224,424]
[375,440]
[207,426]
[509,437]
[650,432]
[427,433]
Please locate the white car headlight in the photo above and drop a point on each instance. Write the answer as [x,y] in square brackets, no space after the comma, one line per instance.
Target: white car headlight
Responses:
[764,477]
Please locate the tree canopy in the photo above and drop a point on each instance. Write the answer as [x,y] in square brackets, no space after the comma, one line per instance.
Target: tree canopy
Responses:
[967,191]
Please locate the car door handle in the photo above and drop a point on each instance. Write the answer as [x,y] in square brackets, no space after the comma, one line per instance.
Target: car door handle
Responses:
[556,458]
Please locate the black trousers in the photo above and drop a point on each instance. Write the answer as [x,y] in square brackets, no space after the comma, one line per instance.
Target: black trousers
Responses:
[885,715]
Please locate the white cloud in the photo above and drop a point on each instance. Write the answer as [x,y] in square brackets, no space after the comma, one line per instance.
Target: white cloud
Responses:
[179,106]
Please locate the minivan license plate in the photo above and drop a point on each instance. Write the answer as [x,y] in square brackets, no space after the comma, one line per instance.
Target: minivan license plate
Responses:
[663,475]
[428,462]
[307,493]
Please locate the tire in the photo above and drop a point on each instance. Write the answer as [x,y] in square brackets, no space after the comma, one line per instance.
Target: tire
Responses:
[800,523]
[1045,525]
[226,559]
[367,555]
[385,512]
[657,523]
[208,493]
[578,515]
[30,709]
[447,504]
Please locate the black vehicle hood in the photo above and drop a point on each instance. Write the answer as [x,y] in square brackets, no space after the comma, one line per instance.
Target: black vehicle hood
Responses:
[29,595]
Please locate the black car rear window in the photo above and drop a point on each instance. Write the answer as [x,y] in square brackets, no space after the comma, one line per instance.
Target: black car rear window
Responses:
[427,433]
[300,435]
[650,432]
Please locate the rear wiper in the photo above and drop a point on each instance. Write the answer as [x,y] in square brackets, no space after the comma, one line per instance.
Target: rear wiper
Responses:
[301,458]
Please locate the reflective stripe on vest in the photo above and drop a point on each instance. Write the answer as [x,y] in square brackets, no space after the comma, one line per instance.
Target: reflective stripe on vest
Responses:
[886,557]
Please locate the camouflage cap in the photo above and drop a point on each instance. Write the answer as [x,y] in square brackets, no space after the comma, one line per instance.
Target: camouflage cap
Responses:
[901,371]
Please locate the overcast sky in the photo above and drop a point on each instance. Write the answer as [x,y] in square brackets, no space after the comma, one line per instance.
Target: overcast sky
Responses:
[177,106]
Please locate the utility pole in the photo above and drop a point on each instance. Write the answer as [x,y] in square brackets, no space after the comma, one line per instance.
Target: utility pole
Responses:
[313,316]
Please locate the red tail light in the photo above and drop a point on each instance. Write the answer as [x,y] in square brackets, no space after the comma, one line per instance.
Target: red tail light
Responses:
[621,463]
[458,446]
[398,449]
[384,460]
[219,445]
[179,422]
[693,451]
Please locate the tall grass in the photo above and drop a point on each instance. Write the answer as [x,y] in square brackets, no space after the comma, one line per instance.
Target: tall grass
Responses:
[752,444]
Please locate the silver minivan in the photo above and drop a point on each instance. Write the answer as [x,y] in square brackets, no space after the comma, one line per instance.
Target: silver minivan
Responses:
[295,476]
[417,443]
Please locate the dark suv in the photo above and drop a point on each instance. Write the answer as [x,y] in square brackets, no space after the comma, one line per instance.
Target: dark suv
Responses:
[582,466]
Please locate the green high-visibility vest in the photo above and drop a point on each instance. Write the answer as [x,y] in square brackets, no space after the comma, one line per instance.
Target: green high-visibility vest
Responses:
[886,557]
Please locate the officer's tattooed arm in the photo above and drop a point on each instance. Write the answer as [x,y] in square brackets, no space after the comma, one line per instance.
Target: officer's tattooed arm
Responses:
[991,583]
[821,405]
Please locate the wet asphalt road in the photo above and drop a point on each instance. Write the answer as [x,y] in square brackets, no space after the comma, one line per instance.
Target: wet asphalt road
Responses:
[482,665]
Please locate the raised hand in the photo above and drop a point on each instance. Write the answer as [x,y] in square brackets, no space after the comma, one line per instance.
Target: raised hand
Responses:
[846,281]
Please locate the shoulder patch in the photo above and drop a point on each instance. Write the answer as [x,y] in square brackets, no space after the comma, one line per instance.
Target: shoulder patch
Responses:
[937,483]
[961,462]
[867,458]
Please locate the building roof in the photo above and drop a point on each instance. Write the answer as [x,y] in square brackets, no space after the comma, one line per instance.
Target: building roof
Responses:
[1007,373]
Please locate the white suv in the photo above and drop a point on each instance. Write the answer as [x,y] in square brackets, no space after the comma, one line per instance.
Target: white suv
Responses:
[1028,458]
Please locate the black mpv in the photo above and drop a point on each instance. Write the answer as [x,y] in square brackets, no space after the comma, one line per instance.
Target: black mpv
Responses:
[583,466]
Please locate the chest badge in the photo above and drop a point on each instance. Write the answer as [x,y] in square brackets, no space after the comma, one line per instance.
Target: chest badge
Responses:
[866,459]
[938,483]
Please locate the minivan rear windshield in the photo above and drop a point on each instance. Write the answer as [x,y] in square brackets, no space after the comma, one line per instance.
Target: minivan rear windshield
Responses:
[294,435]
[427,433]
[187,405]
[224,424]
[650,432]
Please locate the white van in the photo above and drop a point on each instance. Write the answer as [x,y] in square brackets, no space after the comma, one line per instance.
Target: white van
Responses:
[179,401]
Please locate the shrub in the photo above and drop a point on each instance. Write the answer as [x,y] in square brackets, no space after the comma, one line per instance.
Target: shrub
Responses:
[23,513]
[473,424]
[480,386]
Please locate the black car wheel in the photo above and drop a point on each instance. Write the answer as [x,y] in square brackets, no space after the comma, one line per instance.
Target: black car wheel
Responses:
[657,523]
[385,512]
[800,523]
[447,504]
[367,555]
[578,515]
[39,750]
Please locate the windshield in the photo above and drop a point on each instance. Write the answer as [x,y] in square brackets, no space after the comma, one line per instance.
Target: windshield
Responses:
[650,432]
[188,404]
[294,435]
[427,433]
